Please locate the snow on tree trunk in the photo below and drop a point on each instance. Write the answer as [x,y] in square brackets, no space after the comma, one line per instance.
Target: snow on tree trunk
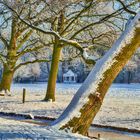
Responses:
[84,106]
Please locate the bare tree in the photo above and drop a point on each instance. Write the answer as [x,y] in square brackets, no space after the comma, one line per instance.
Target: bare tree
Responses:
[75,24]
[17,40]
[86,103]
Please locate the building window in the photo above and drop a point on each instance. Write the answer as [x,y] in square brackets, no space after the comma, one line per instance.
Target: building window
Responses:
[67,78]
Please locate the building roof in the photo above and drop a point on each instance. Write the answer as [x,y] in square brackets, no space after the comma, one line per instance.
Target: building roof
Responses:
[69,74]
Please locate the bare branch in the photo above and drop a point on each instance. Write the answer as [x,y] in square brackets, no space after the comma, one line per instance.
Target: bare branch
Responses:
[24,38]
[5,42]
[80,48]
[99,22]
[31,62]
[126,9]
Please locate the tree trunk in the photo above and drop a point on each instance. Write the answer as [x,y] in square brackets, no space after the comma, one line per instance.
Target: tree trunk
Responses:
[84,106]
[7,78]
[8,67]
[8,71]
[50,94]
[48,67]
[129,76]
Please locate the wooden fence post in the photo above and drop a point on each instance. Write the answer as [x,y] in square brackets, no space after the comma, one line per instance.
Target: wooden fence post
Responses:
[24,95]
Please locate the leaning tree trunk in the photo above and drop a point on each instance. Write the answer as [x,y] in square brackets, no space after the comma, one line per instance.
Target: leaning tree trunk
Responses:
[80,113]
[50,94]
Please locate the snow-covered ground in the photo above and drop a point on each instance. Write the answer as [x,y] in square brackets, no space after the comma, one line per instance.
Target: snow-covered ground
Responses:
[11,129]
[121,106]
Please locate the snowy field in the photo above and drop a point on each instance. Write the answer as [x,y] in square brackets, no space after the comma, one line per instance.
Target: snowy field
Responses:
[16,130]
[121,106]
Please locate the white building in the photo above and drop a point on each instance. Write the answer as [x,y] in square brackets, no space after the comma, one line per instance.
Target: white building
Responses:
[69,77]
